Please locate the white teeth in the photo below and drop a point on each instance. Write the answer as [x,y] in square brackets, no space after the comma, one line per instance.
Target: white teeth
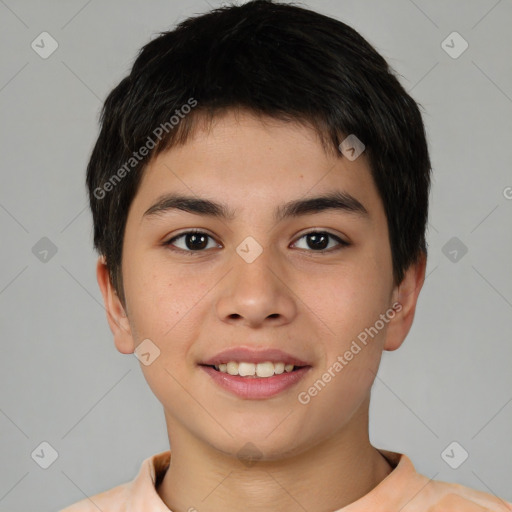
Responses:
[265,369]
[246,369]
[278,368]
[243,369]
[232,368]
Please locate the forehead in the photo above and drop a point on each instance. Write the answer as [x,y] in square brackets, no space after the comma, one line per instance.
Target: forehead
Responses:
[246,160]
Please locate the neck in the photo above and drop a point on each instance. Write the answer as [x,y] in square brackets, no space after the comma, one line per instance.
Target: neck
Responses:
[339,470]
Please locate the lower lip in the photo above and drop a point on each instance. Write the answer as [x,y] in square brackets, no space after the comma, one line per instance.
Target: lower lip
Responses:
[254,388]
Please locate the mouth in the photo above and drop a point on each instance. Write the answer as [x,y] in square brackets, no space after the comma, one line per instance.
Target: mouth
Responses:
[263,370]
[255,374]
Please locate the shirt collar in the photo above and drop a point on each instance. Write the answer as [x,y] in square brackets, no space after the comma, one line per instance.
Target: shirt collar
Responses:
[142,495]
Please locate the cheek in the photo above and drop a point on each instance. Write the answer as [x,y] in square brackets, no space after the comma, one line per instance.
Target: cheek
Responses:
[168,308]
[347,300]
[160,303]
[157,298]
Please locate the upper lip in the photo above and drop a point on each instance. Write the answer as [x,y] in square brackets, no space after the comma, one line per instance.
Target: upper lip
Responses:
[247,355]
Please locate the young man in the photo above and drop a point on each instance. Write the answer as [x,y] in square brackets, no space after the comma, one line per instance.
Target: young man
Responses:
[259,191]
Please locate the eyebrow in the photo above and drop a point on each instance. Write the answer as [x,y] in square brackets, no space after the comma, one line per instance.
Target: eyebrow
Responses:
[338,201]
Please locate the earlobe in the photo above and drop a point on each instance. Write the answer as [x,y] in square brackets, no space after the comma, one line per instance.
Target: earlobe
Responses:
[116,315]
[406,295]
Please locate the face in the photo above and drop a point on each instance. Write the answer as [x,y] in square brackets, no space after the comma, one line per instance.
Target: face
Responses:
[261,279]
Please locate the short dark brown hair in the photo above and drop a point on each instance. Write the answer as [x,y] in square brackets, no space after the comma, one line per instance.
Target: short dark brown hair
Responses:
[271,59]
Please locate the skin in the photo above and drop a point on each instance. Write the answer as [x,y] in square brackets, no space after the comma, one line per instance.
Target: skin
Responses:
[292,297]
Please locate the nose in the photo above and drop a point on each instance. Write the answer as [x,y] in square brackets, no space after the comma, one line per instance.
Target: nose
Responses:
[257,293]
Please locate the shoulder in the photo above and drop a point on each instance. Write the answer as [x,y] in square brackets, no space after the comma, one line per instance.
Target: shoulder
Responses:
[448,497]
[409,491]
[139,494]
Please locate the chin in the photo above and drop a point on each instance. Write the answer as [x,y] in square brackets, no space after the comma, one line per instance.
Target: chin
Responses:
[258,445]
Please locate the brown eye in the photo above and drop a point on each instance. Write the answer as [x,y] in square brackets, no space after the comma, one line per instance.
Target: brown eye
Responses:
[320,241]
[190,241]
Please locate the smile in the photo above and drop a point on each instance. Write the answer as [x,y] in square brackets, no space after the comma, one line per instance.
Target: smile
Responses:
[264,370]
[252,386]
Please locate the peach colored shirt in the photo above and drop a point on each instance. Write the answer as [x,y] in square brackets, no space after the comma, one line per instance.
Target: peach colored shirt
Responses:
[402,490]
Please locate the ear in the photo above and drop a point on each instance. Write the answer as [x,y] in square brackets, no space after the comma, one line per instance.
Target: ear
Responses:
[116,315]
[405,296]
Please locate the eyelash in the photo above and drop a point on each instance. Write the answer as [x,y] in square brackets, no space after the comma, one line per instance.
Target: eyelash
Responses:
[168,243]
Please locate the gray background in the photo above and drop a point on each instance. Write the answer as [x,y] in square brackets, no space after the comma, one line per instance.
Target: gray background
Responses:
[62,380]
